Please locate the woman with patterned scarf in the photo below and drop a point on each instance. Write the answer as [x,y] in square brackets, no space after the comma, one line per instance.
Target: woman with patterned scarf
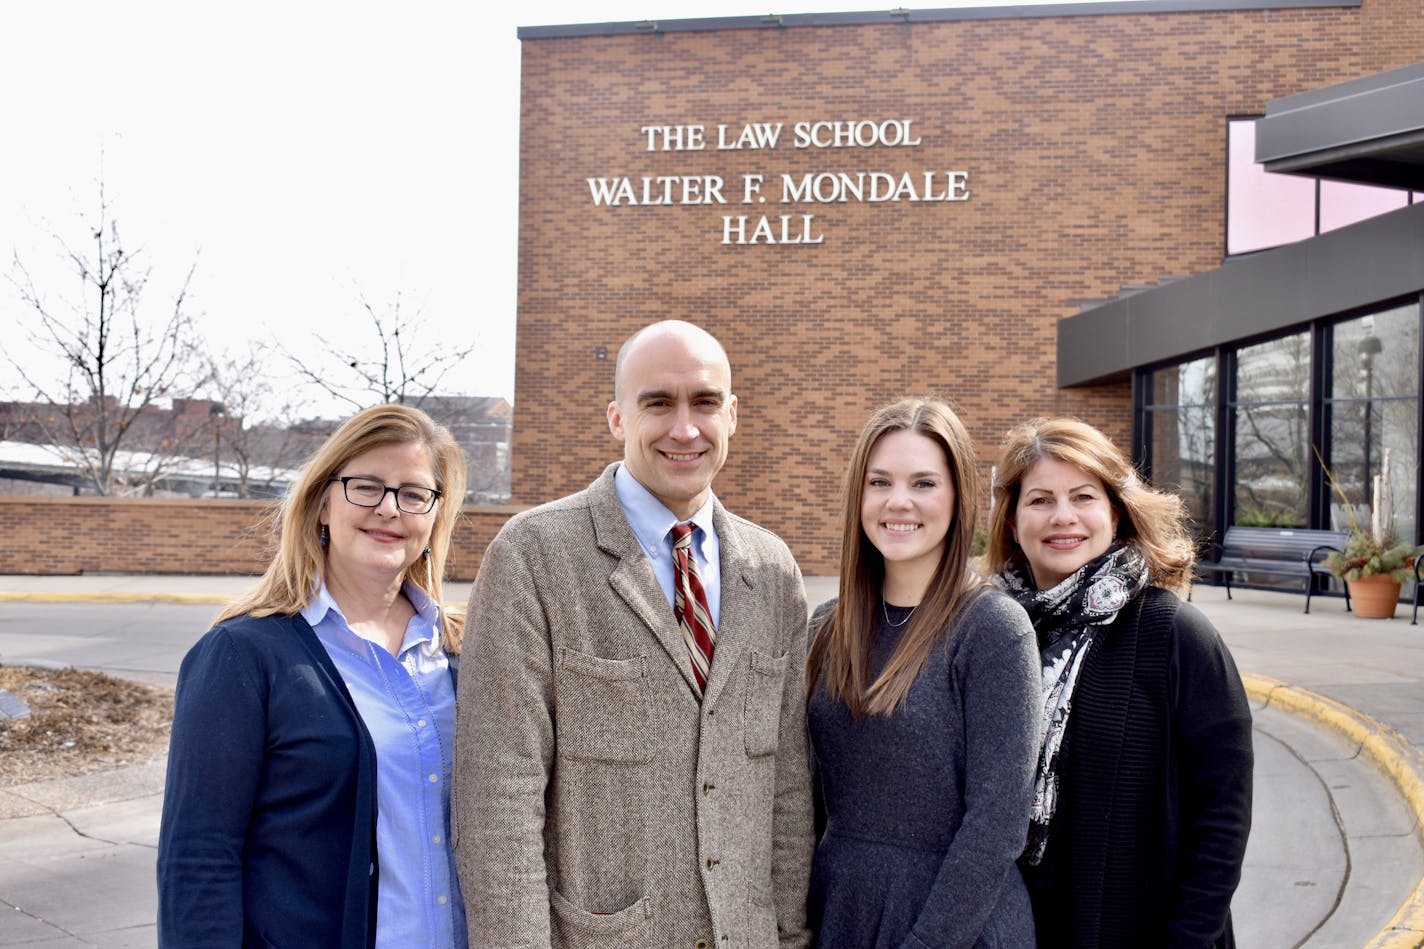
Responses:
[1142,798]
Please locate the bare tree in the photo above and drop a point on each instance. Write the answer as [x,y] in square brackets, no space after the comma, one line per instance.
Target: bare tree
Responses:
[255,437]
[117,363]
[395,362]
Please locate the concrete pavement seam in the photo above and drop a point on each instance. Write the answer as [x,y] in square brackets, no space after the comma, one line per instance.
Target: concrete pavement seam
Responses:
[1399,761]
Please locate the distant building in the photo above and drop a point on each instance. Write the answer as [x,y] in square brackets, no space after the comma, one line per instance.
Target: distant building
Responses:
[484,427]
[194,448]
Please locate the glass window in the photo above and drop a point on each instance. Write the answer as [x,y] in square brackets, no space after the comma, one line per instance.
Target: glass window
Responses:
[1373,412]
[1181,421]
[1262,209]
[1265,209]
[1272,438]
[1342,204]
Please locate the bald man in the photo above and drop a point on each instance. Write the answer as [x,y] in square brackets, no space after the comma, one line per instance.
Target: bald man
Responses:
[631,765]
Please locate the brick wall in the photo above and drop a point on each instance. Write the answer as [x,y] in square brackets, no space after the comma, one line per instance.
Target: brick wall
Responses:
[105,535]
[1095,147]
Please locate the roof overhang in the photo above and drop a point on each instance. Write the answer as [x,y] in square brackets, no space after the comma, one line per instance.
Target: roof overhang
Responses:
[1255,296]
[1369,131]
[906,16]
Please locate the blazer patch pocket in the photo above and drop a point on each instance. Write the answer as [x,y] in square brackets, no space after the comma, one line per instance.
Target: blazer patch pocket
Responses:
[766,678]
[602,708]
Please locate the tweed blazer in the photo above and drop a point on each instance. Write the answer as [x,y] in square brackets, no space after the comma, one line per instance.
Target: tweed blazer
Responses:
[597,802]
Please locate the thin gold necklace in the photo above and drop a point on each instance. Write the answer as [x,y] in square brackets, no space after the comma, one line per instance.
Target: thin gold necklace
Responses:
[885,611]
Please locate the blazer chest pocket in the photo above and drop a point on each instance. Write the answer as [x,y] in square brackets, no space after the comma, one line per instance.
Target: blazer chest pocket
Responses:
[766,678]
[602,708]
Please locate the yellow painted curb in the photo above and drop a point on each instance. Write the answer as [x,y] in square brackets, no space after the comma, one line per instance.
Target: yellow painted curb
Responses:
[100,597]
[1384,748]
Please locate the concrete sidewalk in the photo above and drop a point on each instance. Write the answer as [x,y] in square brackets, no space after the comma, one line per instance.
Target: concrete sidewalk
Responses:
[1335,856]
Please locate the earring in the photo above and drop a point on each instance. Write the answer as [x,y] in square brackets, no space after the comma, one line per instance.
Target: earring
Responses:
[425,553]
[325,537]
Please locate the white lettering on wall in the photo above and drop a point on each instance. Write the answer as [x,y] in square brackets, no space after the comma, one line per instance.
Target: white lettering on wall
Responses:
[663,189]
[864,134]
[788,230]
[874,187]
[819,187]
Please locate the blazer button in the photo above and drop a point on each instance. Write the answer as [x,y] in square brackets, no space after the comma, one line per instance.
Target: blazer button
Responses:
[708,787]
[701,944]
[712,862]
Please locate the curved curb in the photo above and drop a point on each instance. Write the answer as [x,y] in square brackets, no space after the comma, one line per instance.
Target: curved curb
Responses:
[102,597]
[1400,762]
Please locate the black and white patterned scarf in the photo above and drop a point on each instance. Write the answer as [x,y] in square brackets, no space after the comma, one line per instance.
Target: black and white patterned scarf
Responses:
[1067,618]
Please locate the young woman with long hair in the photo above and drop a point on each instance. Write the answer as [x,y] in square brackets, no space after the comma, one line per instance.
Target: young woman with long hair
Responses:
[922,709]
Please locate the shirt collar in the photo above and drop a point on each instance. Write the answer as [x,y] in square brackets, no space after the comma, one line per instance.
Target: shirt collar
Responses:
[423,631]
[650,519]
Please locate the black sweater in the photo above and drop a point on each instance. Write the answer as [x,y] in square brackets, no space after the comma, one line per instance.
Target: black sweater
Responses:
[1146,847]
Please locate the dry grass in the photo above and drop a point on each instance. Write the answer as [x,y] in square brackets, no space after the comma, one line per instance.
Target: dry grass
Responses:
[79,723]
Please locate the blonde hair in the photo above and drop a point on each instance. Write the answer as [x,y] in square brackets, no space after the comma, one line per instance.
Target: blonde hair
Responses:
[841,651]
[1155,520]
[295,569]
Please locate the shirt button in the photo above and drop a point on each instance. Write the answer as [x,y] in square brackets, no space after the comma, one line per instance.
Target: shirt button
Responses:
[435,839]
[420,724]
[434,778]
[441,901]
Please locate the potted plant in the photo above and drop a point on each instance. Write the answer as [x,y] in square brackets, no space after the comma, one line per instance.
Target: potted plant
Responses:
[1373,568]
[1374,564]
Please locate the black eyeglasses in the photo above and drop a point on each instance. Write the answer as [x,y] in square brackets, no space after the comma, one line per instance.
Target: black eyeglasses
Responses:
[368,492]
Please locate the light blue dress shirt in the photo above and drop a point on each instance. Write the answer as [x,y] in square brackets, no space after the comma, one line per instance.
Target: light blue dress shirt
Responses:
[408,704]
[652,525]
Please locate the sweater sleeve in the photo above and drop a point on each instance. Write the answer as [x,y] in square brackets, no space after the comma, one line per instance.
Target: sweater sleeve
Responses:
[215,759]
[999,671]
[1212,725]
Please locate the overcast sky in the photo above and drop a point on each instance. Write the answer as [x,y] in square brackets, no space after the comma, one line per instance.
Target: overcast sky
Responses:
[303,154]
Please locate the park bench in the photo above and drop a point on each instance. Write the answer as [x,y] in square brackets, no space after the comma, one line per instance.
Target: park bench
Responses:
[1277,552]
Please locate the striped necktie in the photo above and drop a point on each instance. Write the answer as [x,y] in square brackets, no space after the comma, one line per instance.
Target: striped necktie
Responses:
[689,604]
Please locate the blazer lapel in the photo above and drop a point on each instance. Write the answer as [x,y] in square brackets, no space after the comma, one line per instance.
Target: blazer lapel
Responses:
[632,579]
[740,613]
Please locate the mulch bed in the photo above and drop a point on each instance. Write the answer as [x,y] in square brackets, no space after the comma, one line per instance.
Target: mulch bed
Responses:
[80,722]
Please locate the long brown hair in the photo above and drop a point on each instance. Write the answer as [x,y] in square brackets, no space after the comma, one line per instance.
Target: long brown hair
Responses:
[841,651]
[1155,520]
[292,575]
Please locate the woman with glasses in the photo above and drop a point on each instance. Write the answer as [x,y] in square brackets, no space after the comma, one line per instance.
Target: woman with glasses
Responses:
[308,788]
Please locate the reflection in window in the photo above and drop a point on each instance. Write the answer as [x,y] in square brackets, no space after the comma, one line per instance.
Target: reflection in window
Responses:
[1342,204]
[1262,209]
[1265,209]
[1272,443]
[1373,417]
[1181,416]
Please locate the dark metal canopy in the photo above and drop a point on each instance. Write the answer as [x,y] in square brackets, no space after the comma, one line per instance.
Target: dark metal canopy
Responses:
[1247,297]
[1369,131]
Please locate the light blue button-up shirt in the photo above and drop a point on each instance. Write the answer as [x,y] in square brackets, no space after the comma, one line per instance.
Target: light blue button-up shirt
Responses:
[652,525]
[408,704]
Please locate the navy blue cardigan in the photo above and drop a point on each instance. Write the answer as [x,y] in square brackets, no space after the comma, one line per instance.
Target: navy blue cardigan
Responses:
[269,813]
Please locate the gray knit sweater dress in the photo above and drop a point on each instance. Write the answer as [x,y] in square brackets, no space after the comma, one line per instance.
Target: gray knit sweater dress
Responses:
[922,814]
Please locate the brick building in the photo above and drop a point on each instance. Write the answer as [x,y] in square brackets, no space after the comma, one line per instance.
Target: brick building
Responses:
[942,190]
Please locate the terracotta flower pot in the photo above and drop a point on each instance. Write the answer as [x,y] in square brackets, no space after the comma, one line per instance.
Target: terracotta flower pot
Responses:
[1374,597]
